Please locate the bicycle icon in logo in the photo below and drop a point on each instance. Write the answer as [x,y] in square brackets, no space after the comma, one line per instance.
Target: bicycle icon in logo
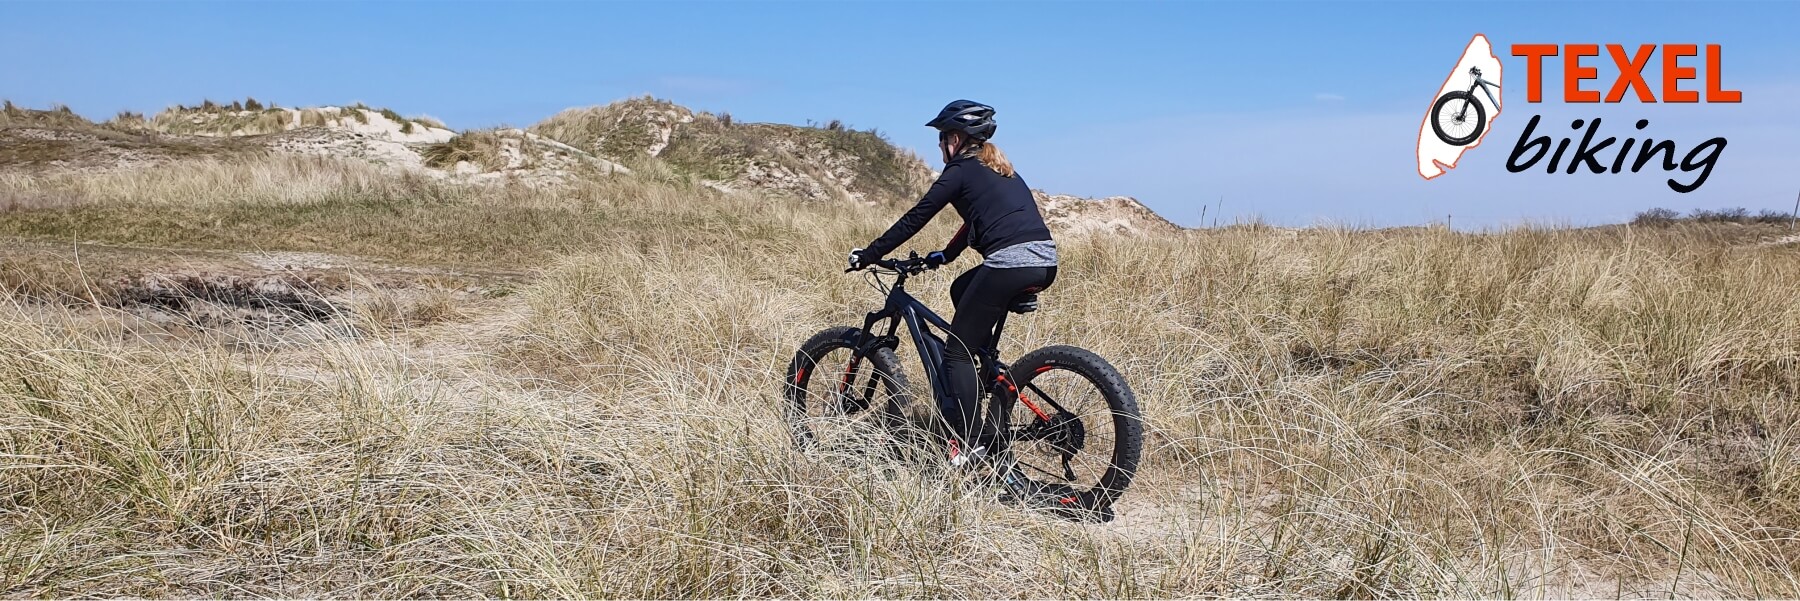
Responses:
[1458,117]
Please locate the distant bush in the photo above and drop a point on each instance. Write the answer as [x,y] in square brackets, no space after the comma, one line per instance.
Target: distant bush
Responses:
[1656,216]
[1662,217]
[252,105]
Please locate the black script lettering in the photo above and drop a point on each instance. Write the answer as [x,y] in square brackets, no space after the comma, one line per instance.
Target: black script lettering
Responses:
[1586,153]
[1542,143]
[1688,164]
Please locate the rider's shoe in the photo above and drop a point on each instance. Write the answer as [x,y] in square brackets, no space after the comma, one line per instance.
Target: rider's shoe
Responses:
[1016,489]
[1057,499]
[960,458]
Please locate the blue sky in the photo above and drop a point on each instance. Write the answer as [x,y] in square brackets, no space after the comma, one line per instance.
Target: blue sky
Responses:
[1299,113]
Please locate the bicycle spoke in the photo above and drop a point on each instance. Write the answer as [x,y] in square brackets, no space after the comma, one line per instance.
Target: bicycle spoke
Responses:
[1042,470]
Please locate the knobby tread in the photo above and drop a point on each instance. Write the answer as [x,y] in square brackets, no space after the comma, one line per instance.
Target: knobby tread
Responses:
[1128,427]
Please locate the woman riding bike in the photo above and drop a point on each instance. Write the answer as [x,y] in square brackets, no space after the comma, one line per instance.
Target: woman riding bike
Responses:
[1001,221]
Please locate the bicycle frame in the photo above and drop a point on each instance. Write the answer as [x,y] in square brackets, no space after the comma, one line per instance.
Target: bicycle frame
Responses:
[902,307]
[1485,86]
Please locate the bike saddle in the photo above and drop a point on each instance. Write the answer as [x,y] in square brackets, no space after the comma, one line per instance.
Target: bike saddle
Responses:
[1024,303]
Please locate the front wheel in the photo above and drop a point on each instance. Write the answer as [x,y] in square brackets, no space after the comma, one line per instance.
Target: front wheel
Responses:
[1071,433]
[1458,118]
[842,402]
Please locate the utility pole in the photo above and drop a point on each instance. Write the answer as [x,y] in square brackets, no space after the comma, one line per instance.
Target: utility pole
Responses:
[1792,221]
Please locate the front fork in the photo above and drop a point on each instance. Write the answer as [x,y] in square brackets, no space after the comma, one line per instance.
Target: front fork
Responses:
[864,343]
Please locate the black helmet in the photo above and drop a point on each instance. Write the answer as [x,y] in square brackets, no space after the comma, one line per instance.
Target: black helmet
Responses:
[967,116]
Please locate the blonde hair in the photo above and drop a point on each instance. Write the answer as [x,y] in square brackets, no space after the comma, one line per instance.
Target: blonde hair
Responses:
[991,156]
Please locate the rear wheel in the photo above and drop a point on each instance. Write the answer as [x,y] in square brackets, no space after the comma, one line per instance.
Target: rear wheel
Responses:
[1073,434]
[843,404]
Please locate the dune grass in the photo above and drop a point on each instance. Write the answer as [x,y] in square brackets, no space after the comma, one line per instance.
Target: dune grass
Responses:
[57,116]
[482,148]
[811,162]
[1332,412]
[252,118]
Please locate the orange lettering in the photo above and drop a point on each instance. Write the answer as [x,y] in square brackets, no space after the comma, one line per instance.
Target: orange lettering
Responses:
[1673,73]
[1631,73]
[1534,68]
[1714,93]
[1574,73]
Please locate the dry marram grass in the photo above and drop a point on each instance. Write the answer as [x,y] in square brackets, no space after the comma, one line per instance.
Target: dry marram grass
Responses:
[1332,412]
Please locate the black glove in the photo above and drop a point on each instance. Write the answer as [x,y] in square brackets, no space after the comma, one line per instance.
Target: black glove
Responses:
[936,258]
[859,259]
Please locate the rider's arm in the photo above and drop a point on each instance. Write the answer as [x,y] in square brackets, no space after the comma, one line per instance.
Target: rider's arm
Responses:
[947,186]
[957,244]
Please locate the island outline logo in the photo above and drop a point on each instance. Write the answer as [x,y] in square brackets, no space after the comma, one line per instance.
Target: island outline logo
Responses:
[1456,119]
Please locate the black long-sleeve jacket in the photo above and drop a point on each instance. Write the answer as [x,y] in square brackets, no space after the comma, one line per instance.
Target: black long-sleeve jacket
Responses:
[997,211]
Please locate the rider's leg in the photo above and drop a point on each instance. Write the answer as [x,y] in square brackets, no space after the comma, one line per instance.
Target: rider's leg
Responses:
[981,297]
[959,351]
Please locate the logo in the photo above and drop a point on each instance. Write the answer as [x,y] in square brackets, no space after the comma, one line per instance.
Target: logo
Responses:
[1459,118]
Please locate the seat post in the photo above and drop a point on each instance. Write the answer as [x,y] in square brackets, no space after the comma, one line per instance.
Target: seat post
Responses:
[999,326]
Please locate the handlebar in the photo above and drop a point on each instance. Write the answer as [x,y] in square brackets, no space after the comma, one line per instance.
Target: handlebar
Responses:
[912,265]
[1476,71]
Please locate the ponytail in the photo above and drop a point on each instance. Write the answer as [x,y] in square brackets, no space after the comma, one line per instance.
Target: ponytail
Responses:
[991,156]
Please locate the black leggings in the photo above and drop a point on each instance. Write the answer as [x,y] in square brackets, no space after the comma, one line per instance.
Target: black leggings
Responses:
[981,296]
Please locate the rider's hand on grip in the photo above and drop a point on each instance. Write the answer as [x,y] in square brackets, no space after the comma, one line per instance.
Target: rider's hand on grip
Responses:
[936,258]
[857,260]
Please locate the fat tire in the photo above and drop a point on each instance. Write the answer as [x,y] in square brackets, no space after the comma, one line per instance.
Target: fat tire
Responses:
[882,359]
[1438,128]
[1095,503]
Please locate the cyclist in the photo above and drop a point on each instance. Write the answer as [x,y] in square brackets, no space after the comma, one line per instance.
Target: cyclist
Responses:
[1000,221]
